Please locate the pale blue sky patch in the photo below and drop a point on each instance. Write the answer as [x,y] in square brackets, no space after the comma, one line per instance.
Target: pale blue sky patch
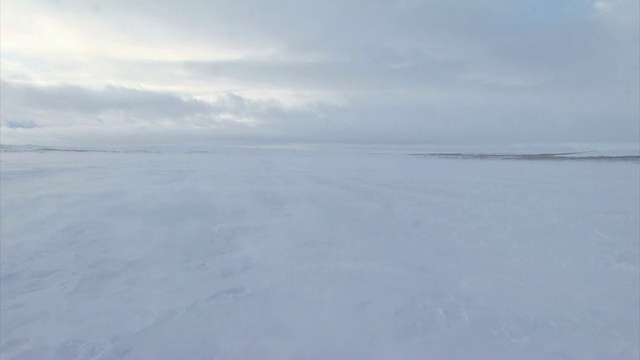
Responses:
[546,12]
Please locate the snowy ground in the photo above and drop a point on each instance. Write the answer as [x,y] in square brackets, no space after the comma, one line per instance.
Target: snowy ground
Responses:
[283,254]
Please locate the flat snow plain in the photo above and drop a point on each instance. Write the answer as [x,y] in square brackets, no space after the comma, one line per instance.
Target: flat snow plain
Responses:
[297,254]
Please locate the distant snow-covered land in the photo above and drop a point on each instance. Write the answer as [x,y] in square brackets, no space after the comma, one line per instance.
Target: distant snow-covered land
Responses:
[276,253]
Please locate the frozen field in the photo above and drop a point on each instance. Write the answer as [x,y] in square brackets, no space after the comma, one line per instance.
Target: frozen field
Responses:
[283,254]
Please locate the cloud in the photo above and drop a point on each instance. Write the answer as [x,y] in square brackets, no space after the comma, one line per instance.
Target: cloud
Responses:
[388,70]
[602,5]
[67,105]
[28,106]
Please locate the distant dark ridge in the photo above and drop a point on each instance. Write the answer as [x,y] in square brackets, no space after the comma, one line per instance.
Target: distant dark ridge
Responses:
[554,156]
[10,148]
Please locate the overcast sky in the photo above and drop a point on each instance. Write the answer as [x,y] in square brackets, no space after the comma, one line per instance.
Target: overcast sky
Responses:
[466,71]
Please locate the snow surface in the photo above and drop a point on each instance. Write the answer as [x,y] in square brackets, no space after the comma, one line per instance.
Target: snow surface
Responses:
[307,254]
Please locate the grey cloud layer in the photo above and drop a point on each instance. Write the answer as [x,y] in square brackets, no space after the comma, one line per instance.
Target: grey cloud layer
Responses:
[400,71]
[381,118]
[27,106]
